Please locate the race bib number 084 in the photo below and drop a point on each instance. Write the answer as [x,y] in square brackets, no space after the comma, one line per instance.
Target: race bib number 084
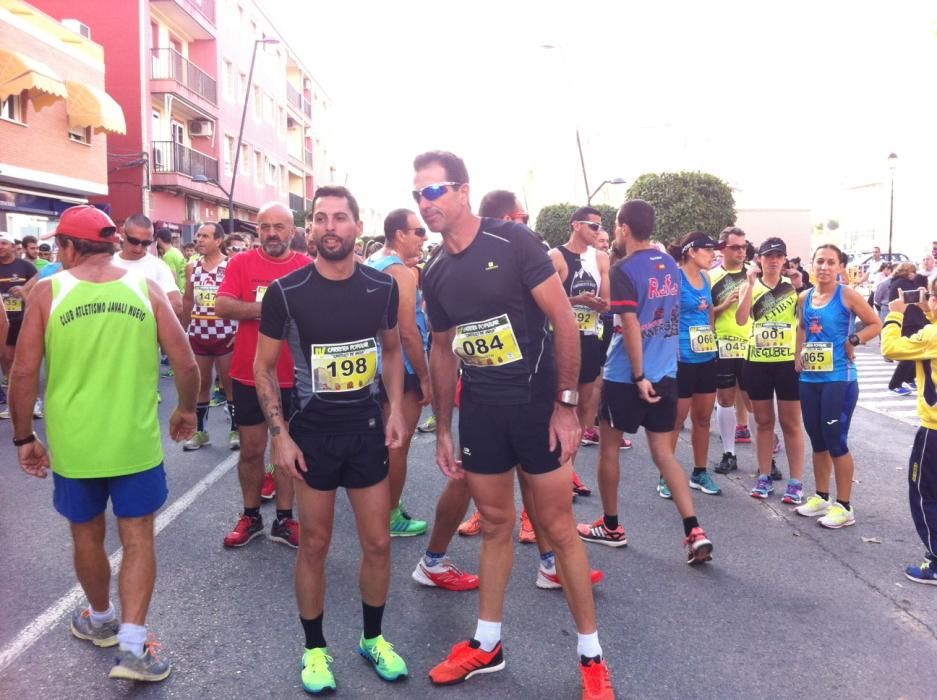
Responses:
[488,343]
[344,366]
[817,357]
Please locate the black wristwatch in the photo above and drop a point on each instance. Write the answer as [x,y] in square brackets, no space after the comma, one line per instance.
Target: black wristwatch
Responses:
[25,441]
[639,378]
[853,339]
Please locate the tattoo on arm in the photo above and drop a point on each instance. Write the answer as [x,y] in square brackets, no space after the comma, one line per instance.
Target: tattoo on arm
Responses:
[272,409]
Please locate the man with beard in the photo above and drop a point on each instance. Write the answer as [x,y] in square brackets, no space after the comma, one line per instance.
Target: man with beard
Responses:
[336,436]
[246,281]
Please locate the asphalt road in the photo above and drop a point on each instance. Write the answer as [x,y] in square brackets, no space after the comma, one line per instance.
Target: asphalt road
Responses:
[785,610]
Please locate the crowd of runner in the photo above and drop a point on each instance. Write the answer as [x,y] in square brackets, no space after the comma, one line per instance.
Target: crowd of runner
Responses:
[541,351]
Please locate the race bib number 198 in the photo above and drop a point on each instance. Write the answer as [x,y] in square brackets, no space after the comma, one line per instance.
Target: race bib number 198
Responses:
[486,343]
[344,366]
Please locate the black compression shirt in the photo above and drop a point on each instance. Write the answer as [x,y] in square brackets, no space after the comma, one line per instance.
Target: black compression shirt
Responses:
[15,274]
[484,293]
[332,327]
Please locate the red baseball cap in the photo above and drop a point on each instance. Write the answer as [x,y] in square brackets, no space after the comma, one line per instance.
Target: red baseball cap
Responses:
[85,222]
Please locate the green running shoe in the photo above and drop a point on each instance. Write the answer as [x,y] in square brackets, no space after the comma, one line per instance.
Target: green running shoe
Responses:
[662,489]
[317,671]
[428,426]
[197,441]
[382,656]
[402,525]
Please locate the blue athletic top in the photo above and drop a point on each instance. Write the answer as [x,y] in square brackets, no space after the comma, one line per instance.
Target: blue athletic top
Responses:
[695,307]
[829,324]
[647,284]
[381,263]
[49,270]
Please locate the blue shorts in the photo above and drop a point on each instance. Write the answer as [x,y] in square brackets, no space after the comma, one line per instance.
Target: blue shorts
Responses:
[132,496]
[827,408]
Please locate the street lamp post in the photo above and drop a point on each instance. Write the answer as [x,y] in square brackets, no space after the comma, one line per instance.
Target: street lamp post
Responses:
[892,164]
[613,181]
[237,149]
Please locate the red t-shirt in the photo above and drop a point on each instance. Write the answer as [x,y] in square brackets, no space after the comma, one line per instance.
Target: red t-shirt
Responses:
[247,273]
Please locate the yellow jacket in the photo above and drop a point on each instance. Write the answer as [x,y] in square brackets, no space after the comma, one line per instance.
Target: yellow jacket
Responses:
[921,347]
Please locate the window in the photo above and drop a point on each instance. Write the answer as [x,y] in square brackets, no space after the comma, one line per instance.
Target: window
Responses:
[228,153]
[245,159]
[81,134]
[227,80]
[281,124]
[242,86]
[268,109]
[12,108]
[258,167]
[258,103]
[157,134]
[271,171]
[178,132]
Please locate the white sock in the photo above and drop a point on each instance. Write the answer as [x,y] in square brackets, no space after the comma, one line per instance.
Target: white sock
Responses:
[725,419]
[132,638]
[589,645]
[488,634]
[100,618]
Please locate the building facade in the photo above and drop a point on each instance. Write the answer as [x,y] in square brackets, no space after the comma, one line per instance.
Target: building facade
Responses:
[54,119]
[181,69]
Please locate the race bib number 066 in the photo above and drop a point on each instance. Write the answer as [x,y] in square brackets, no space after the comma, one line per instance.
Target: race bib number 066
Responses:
[486,343]
[817,357]
[344,366]
[702,339]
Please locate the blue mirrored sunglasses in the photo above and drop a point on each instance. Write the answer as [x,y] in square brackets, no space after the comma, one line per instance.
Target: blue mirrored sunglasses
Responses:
[433,192]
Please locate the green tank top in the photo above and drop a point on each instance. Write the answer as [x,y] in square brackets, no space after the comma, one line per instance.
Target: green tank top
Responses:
[773,322]
[731,338]
[102,372]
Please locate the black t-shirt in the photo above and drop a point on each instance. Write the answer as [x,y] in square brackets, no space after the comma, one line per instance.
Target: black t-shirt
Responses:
[332,327]
[501,334]
[15,274]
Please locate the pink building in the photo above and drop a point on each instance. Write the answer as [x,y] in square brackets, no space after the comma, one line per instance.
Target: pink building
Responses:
[179,69]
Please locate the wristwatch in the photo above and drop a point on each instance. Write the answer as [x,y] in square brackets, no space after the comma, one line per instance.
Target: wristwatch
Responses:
[568,397]
[853,339]
[24,441]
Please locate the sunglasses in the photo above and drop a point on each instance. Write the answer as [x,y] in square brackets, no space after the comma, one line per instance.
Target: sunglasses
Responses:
[594,225]
[138,241]
[236,250]
[419,231]
[519,217]
[736,248]
[433,192]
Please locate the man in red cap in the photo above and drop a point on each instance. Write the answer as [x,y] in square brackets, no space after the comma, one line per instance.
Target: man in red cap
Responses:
[73,320]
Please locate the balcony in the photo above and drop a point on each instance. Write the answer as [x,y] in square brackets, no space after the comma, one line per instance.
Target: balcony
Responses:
[195,17]
[294,97]
[172,157]
[308,158]
[297,202]
[169,64]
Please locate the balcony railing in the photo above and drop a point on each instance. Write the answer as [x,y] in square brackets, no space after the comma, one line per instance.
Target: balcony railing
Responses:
[308,158]
[294,96]
[169,64]
[207,8]
[297,202]
[307,108]
[172,157]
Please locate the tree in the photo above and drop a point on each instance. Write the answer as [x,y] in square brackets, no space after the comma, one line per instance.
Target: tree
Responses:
[686,201]
[553,221]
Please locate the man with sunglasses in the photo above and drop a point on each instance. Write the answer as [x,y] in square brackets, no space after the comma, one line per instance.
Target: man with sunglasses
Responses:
[403,240]
[247,277]
[133,255]
[490,293]
[584,273]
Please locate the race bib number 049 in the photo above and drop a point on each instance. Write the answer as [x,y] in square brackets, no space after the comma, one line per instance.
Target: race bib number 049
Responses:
[817,357]
[733,349]
[344,366]
[488,343]
[587,320]
[702,339]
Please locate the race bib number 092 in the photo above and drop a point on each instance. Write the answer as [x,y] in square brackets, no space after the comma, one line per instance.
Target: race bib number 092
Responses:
[817,357]
[344,366]
[488,343]
[587,320]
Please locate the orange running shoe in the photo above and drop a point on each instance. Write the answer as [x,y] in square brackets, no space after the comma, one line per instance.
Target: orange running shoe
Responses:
[526,535]
[596,681]
[467,659]
[549,581]
[579,488]
[472,526]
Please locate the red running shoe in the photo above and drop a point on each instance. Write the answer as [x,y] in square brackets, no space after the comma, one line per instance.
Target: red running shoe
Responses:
[285,531]
[526,534]
[247,528]
[268,491]
[598,533]
[590,436]
[445,575]
[579,488]
[549,581]
[596,681]
[467,659]
[700,549]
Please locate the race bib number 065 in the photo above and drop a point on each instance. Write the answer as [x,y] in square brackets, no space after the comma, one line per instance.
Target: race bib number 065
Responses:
[344,366]
[486,343]
[817,357]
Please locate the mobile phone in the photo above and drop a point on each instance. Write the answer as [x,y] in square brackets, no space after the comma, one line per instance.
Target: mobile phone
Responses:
[914,296]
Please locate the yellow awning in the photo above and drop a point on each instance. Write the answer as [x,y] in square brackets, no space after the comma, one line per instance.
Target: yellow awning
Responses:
[19,72]
[88,106]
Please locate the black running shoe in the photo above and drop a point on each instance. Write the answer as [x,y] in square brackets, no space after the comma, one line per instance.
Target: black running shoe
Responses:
[728,463]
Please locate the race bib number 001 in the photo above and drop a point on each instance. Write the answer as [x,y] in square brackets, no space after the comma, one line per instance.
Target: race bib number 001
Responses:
[817,357]
[12,303]
[259,294]
[702,339]
[344,366]
[587,320]
[488,343]
[733,349]
[773,335]
[205,295]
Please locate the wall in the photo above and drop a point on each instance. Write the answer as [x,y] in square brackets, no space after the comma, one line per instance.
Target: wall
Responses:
[794,226]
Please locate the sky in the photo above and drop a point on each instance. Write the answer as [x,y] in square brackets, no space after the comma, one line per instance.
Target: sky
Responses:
[790,104]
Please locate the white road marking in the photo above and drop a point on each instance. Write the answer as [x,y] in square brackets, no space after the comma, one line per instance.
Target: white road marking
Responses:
[40,624]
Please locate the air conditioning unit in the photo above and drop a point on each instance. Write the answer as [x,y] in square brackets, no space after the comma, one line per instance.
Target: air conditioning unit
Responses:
[202,127]
[78,27]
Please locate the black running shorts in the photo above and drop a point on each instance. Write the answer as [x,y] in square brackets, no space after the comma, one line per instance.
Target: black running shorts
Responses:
[728,372]
[247,407]
[623,409]
[352,460]
[765,380]
[696,378]
[590,352]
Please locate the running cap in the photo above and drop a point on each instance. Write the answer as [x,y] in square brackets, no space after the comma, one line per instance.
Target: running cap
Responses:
[8,237]
[45,248]
[701,240]
[86,222]
[772,245]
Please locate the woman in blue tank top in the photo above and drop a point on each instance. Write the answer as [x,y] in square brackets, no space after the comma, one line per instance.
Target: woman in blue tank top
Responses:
[696,365]
[829,390]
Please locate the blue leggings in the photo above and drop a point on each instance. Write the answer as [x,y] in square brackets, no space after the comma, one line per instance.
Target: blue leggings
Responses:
[827,408]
